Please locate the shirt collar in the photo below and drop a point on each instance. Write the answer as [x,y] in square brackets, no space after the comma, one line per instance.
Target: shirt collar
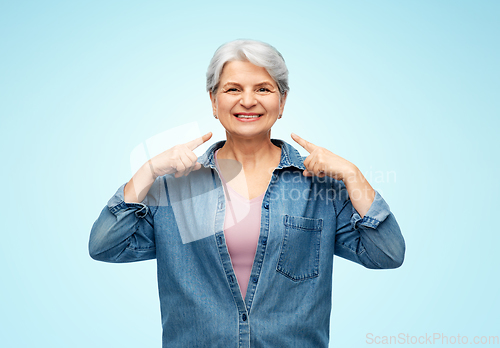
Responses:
[290,157]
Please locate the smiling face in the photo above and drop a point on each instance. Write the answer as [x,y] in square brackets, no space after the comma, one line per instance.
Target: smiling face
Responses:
[247,101]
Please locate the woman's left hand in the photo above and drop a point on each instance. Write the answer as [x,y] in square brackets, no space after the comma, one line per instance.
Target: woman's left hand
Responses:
[322,162]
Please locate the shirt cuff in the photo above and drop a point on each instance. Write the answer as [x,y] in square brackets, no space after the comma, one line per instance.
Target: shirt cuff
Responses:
[377,213]
[116,204]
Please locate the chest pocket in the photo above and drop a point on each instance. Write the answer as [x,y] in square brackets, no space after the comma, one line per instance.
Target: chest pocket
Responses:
[299,256]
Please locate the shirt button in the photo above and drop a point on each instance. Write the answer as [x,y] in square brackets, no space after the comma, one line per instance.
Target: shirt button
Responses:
[264,241]
[244,317]
[266,205]
[254,279]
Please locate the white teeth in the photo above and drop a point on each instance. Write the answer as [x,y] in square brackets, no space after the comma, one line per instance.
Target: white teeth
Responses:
[247,116]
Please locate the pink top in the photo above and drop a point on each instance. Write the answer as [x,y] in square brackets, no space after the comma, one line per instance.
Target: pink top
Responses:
[241,230]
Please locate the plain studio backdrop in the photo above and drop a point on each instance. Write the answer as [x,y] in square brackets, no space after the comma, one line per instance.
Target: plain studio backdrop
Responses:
[406,90]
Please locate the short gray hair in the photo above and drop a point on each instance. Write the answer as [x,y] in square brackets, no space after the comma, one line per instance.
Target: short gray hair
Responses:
[256,52]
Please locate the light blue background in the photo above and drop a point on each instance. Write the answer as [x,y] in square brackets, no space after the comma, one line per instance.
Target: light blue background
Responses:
[406,87]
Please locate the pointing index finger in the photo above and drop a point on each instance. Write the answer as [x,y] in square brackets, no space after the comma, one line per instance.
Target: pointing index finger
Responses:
[304,143]
[193,144]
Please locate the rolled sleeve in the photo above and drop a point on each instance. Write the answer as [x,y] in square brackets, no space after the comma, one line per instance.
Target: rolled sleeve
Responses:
[117,204]
[374,241]
[124,232]
[378,212]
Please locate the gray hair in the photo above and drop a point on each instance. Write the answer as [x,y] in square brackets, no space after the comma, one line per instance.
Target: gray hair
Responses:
[256,52]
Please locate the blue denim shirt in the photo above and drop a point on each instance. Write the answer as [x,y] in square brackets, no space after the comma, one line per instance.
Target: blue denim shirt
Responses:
[305,221]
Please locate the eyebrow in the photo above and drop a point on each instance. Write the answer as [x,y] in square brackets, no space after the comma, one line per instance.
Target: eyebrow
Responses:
[265,83]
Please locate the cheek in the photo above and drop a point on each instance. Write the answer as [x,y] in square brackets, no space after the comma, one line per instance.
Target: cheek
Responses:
[274,105]
[224,103]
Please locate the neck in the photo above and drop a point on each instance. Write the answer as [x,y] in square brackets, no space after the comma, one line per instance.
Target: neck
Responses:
[250,152]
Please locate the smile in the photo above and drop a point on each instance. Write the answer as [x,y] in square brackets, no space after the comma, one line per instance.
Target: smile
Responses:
[245,115]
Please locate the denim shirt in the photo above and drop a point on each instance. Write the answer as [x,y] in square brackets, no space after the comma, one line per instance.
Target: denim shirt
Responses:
[305,221]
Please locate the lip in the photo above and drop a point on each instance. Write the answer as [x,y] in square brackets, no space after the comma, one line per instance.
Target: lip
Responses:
[248,114]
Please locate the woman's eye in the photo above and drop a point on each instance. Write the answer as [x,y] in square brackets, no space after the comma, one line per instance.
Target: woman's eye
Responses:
[232,90]
[263,89]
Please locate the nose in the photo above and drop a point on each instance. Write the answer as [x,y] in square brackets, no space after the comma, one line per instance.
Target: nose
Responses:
[248,99]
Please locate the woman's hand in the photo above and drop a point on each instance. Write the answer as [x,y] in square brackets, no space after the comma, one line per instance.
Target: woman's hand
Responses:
[322,162]
[179,159]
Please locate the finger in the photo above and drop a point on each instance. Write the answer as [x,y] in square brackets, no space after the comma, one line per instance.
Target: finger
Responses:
[307,161]
[197,166]
[188,164]
[192,162]
[306,173]
[193,144]
[316,169]
[310,162]
[192,157]
[179,167]
[304,143]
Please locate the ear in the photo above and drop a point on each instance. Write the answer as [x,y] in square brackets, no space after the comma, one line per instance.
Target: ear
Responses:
[282,102]
[214,102]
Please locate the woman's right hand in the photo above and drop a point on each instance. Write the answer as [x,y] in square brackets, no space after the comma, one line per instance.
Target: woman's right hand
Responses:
[179,159]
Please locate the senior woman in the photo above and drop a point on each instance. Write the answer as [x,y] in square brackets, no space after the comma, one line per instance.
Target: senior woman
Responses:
[245,235]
